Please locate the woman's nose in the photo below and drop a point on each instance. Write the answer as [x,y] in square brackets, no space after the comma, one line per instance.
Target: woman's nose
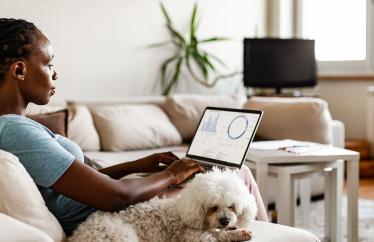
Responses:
[54,76]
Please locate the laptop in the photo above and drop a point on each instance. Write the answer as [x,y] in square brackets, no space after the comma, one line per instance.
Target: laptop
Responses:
[223,136]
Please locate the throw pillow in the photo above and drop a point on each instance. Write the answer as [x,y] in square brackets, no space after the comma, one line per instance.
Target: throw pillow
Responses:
[21,199]
[293,118]
[81,128]
[51,107]
[56,121]
[186,110]
[128,127]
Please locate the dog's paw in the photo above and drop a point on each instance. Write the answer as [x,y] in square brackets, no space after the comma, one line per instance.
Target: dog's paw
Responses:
[239,235]
[231,228]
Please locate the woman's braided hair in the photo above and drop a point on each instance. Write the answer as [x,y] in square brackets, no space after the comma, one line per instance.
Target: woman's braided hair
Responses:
[17,39]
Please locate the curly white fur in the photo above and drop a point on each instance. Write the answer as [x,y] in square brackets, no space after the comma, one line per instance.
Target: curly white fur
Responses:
[213,207]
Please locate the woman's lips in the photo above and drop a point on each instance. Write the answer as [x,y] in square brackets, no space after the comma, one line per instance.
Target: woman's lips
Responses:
[52,92]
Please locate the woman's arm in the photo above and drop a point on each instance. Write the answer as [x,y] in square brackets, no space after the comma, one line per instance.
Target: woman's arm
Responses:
[84,184]
[149,164]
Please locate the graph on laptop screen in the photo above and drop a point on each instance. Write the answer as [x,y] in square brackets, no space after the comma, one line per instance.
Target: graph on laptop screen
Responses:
[224,135]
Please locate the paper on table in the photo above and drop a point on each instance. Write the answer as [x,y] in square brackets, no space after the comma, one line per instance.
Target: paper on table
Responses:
[292,146]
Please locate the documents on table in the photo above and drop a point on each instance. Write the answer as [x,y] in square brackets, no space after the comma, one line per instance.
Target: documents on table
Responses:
[288,145]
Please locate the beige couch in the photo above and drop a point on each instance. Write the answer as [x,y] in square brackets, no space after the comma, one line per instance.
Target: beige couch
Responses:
[117,130]
[295,118]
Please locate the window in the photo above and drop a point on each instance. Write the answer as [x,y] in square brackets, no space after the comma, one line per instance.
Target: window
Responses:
[338,26]
[341,28]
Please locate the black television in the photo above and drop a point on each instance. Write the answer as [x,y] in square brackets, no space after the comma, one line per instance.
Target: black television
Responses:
[279,63]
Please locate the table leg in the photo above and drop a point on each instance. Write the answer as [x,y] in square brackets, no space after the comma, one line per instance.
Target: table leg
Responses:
[285,200]
[305,195]
[352,196]
[333,199]
[327,199]
[262,181]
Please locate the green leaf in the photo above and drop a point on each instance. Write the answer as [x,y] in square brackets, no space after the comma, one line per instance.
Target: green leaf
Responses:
[193,25]
[213,39]
[175,77]
[159,44]
[169,24]
[216,59]
[164,68]
[209,63]
[176,34]
[200,63]
[166,15]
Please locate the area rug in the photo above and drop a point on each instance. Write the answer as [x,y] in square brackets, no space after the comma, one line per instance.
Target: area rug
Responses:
[366,220]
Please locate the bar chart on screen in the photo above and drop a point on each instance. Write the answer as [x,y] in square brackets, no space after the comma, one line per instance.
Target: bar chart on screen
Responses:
[210,125]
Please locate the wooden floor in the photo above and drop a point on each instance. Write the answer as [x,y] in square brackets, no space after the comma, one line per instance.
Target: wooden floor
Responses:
[366,189]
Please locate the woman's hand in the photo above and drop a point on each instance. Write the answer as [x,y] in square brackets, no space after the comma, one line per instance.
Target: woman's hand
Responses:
[183,169]
[155,162]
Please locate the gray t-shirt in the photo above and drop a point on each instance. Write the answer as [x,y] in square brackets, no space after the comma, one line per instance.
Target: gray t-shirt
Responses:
[46,156]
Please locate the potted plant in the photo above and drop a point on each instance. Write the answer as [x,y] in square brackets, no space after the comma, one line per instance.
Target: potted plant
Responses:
[198,62]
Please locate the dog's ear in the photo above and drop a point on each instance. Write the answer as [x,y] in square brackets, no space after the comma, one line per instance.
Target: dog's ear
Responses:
[192,213]
[248,211]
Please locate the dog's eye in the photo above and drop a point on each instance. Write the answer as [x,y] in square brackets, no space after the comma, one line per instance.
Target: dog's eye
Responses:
[232,207]
[214,209]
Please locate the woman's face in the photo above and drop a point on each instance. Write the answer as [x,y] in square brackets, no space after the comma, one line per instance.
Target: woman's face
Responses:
[38,85]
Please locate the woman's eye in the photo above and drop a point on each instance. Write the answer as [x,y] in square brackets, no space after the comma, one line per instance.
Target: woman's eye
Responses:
[50,66]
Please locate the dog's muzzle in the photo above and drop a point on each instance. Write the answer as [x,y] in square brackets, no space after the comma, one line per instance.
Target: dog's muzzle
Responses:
[224,221]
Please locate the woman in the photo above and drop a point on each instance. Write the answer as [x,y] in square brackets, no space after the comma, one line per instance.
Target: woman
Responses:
[71,189]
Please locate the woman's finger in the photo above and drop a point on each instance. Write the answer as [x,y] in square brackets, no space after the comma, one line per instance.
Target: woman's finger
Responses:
[201,168]
[166,159]
[172,155]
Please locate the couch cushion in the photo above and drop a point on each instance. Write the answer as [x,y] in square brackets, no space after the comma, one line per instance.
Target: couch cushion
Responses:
[129,127]
[101,159]
[14,230]
[185,110]
[279,233]
[56,121]
[293,118]
[20,198]
[81,128]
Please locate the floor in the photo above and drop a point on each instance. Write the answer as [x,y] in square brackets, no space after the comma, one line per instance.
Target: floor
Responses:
[366,189]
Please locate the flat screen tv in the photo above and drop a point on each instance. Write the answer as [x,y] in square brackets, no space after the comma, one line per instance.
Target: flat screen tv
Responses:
[279,63]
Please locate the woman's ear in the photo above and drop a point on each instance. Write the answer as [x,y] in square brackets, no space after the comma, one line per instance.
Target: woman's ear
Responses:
[18,70]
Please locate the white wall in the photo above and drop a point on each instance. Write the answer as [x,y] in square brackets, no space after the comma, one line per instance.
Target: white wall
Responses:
[100,45]
[348,102]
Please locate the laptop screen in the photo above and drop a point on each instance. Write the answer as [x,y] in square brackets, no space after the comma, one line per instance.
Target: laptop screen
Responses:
[224,135]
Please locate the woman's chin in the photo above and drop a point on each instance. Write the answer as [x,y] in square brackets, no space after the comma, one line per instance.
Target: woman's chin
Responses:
[42,101]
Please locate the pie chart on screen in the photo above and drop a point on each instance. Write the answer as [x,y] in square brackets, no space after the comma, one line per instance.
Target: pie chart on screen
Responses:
[237,127]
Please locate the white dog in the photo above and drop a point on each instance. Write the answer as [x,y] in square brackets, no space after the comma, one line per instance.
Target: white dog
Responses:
[213,207]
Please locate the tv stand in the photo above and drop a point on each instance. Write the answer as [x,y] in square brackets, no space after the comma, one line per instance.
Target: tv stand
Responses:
[277,93]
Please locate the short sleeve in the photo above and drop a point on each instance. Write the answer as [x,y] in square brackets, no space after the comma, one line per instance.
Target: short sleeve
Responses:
[38,151]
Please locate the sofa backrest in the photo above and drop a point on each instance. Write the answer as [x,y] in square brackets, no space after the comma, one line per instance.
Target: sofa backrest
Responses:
[296,118]
[182,111]
[302,118]
[97,102]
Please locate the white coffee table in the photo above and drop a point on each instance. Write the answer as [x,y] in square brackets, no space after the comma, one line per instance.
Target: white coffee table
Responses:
[261,160]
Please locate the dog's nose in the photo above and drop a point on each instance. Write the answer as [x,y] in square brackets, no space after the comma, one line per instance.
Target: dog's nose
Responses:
[224,221]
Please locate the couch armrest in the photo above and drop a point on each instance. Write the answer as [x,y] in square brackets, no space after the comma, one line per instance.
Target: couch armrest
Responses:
[338,133]
[14,230]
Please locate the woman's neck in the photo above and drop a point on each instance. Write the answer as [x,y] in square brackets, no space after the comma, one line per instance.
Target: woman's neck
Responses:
[11,101]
